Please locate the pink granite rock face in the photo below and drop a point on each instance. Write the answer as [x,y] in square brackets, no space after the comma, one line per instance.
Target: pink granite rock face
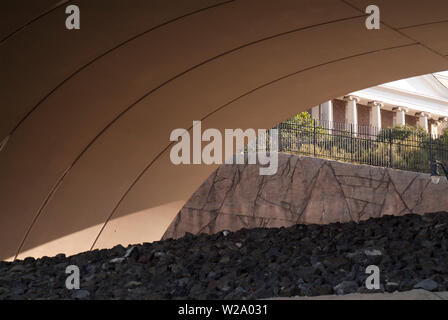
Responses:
[304,190]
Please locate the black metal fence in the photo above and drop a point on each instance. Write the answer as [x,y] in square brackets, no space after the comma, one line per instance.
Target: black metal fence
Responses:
[402,148]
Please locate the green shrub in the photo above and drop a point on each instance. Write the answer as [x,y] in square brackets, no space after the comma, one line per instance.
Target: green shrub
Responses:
[401,133]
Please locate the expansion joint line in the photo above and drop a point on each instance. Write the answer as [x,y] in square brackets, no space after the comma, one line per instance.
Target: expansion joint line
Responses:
[398,30]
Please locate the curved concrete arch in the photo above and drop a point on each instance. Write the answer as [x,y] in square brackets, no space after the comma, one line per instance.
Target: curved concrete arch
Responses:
[79,209]
[280,48]
[107,99]
[127,109]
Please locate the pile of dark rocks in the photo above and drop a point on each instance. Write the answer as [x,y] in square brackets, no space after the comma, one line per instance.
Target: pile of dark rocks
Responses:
[411,252]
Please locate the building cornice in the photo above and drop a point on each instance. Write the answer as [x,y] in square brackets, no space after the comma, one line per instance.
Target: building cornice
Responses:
[414,94]
[406,99]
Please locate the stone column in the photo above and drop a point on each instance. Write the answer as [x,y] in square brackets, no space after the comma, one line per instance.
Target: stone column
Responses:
[326,114]
[400,115]
[422,120]
[434,128]
[351,113]
[375,119]
[315,113]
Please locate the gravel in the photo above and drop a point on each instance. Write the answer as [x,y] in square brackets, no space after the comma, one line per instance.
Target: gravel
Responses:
[411,251]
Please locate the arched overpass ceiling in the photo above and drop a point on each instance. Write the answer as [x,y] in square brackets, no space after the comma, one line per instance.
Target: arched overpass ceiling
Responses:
[95,147]
[45,55]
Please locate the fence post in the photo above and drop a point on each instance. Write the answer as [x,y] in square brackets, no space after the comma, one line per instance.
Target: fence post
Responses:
[430,149]
[351,142]
[314,137]
[391,156]
[279,137]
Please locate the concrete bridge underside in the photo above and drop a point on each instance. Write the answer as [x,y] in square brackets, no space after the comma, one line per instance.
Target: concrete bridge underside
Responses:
[85,115]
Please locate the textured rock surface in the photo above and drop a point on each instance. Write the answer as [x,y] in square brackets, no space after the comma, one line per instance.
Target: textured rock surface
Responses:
[410,251]
[304,190]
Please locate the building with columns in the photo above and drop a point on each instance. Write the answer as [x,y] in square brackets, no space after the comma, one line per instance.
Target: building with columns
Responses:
[419,101]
